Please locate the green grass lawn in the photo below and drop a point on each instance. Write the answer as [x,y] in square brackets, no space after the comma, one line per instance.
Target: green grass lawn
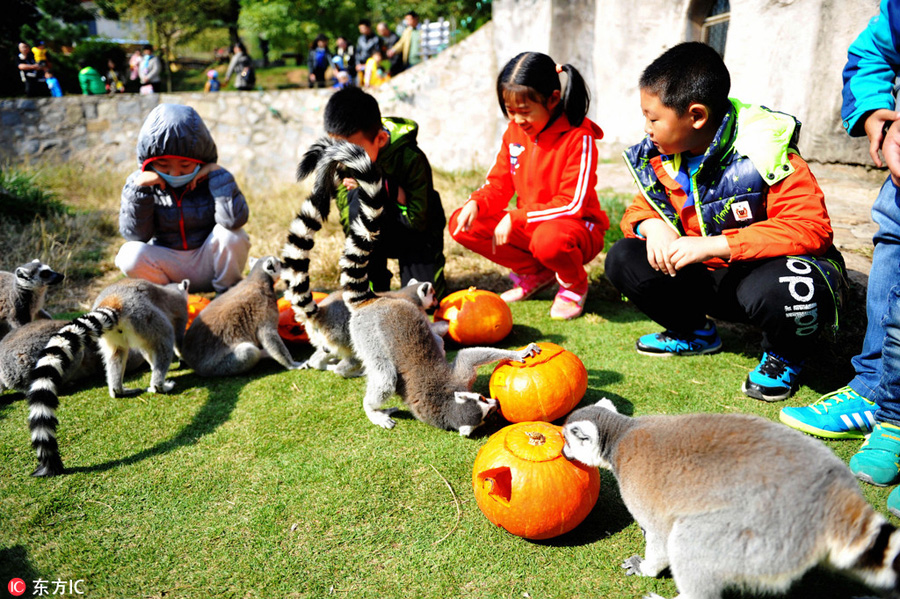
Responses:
[276,485]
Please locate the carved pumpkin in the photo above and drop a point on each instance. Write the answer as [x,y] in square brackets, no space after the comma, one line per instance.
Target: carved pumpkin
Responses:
[476,317]
[288,328]
[195,304]
[545,387]
[525,485]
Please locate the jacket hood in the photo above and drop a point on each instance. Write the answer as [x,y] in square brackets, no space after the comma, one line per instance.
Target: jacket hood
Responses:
[175,130]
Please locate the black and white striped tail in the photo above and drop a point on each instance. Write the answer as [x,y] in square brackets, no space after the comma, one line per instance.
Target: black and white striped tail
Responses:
[49,370]
[359,244]
[326,157]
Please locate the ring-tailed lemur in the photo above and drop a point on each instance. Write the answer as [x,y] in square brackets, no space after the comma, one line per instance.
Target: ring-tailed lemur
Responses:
[732,500]
[19,351]
[396,345]
[22,294]
[226,336]
[131,313]
[327,323]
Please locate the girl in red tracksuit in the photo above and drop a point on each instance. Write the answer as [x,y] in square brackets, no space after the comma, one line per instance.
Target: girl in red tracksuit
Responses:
[548,161]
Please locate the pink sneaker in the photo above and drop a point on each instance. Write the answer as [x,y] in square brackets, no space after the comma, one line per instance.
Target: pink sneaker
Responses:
[527,285]
[568,304]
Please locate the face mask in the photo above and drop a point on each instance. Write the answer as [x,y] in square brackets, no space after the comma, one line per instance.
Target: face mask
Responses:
[178,180]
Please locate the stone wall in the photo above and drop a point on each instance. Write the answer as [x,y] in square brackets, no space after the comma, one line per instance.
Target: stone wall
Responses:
[261,135]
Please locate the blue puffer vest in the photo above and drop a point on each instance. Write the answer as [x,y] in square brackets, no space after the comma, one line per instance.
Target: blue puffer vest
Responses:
[748,154]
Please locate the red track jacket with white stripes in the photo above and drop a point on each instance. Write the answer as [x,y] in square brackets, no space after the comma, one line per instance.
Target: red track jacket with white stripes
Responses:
[554,175]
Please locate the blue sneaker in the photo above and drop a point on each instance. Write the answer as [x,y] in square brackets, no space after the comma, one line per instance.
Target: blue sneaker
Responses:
[670,343]
[893,502]
[876,462]
[773,379]
[842,414]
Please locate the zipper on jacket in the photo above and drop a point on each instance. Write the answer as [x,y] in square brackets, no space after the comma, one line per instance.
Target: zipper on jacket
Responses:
[652,204]
[184,242]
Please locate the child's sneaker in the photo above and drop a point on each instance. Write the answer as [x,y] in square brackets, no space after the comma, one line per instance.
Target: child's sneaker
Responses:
[670,343]
[876,461]
[893,502]
[773,379]
[841,414]
[527,285]
[568,303]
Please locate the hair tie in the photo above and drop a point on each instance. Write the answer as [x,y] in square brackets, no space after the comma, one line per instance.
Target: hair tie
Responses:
[559,68]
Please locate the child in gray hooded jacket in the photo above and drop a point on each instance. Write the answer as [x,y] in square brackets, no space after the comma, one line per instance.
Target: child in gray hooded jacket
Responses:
[181,213]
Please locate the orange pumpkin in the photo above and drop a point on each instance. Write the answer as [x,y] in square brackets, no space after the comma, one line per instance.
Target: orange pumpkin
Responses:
[545,387]
[476,317]
[288,327]
[195,304]
[525,485]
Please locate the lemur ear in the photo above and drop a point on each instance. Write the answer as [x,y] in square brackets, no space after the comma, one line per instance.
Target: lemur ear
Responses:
[607,405]
[272,266]
[185,284]
[253,262]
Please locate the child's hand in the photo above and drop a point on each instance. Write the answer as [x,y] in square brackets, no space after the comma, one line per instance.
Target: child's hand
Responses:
[401,196]
[350,183]
[202,174]
[691,250]
[659,237]
[891,150]
[149,178]
[501,232]
[874,126]
[466,217]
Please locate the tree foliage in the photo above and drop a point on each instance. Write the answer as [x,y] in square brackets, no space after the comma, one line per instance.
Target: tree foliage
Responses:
[292,25]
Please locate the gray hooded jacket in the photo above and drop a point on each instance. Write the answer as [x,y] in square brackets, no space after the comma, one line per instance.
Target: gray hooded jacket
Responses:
[177,218]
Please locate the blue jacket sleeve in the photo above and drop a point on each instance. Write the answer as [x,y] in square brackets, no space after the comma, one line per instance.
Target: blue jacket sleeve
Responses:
[872,65]
[232,211]
[136,211]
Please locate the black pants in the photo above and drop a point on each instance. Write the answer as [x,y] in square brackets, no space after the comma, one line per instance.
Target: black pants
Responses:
[419,254]
[789,298]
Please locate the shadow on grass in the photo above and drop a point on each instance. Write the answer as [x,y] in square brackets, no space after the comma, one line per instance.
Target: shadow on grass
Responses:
[223,395]
[15,563]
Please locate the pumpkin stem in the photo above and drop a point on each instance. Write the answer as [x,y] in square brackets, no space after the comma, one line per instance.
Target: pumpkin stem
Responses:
[535,438]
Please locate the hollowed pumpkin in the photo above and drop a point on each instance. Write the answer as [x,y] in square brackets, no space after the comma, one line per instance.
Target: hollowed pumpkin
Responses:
[525,485]
[288,328]
[545,387]
[476,317]
[196,303]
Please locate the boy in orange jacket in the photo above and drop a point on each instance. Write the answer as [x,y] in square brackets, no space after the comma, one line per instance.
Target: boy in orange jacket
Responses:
[730,223]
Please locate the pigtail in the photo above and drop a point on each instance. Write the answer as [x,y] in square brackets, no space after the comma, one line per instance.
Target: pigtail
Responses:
[576,98]
[536,76]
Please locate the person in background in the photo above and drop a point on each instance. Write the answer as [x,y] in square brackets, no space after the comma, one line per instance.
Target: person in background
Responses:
[388,40]
[241,68]
[53,84]
[377,71]
[318,60]
[114,83]
[89,79]
[212,81]
[409,46]
[344,58]
[150,71]
[134,68]
[365,45]
[40,54]
[32,73]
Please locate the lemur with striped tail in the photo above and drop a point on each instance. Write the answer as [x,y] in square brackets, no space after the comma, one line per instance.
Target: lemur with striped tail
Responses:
[734,501]
[327,323]
[130,313]
[396,345]
[22,294]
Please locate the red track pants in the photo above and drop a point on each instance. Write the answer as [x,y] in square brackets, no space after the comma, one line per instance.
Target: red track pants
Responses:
[563,245]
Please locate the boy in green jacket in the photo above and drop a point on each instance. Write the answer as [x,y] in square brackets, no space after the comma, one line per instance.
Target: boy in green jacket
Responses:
[413,221]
